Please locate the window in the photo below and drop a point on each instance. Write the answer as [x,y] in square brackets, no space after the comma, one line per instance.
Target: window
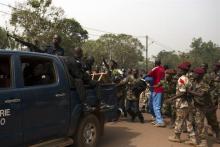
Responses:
[37,71]
[5,72]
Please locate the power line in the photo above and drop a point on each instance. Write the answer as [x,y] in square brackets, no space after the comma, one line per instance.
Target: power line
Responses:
[99,30]
[152,42]
[88,28]
[5,12]
[94,35]
[103,31]
[8,5]
[161,44]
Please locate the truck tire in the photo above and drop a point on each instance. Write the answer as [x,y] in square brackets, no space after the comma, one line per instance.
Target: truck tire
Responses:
[88,133]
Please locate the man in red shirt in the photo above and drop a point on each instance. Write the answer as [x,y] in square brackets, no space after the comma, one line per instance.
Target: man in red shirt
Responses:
[158,74]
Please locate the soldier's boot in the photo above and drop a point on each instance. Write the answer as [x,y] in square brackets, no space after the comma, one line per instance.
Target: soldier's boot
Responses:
[175,138]
[133,117]
[125,114]
[192,141]
[203,143]
[141,118]
[172,123]
[217,137]
[132,114]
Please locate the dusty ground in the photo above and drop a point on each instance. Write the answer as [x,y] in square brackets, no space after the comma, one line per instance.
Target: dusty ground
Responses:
[129,134]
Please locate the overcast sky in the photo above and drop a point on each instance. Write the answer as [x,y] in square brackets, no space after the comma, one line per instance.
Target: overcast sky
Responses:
[171,23]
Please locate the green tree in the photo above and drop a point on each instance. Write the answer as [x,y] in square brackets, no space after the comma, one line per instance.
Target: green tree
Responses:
[38,19]
[5,42]
[169,58]
[125,49]
[201,52]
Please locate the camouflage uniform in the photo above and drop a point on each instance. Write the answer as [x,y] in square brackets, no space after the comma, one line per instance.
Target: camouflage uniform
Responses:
[214,93]
[203,106]
[169,91]
[165,108]
[215,88]
[183,109]
[207,78]
[132,103]
[117,78]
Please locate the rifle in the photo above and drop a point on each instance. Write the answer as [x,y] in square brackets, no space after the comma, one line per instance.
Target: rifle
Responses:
[174,97]
[106,65]
[31,46]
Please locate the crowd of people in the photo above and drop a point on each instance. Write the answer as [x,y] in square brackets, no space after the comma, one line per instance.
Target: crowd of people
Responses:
[187,95]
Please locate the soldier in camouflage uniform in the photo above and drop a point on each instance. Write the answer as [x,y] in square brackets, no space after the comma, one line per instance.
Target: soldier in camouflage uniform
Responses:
[202,103]
[183,107]
[132,103]
[206,77]
[169,85]
[212,80]
[117,77]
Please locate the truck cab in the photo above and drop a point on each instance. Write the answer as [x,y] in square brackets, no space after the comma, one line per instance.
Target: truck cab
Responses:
[38,106]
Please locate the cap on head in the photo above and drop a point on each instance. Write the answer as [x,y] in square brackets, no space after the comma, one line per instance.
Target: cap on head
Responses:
[184,66]
[217,65]
[187,63]
[199,71]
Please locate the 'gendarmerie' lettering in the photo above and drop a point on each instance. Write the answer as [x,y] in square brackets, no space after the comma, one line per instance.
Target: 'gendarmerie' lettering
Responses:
[5,112]
[2,121]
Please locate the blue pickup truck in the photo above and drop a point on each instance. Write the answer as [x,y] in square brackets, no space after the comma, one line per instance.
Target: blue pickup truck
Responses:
[38,106]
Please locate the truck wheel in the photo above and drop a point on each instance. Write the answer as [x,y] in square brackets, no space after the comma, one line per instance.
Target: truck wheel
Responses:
[88,132]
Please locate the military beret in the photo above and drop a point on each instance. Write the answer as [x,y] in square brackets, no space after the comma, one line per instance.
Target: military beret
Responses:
[187,63]
[184,65]
[199,70]
[170,71]
[217,65]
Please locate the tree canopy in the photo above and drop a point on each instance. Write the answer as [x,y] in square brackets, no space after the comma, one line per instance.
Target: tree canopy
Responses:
[38,19]
[202,52]
[5,42]
[124,49]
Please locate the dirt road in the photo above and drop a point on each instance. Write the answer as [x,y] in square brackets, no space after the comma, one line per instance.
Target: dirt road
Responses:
[135,134]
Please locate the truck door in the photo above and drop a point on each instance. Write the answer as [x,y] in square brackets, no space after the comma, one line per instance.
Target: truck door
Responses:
[10,105]
[45,99]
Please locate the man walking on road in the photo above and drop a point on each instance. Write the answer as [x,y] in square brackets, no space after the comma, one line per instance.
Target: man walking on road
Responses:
[157,74]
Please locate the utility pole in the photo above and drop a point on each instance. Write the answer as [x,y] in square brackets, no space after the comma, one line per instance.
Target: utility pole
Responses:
[146,52]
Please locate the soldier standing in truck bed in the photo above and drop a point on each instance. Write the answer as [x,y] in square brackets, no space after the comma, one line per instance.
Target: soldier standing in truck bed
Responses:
[54,48]
[79,76]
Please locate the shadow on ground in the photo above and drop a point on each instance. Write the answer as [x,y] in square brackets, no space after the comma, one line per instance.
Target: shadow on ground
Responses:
[117,137]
